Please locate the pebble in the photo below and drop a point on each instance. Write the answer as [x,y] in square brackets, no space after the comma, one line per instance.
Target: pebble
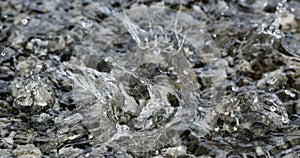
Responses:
[5,108]
[6,73]
[70,152]
[26,151]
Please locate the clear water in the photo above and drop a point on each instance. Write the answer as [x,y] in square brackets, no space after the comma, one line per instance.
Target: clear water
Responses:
[153,59]
[219,79]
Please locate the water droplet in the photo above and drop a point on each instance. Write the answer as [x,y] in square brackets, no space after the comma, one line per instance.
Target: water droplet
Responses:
[237,121]
[87,24]
[272,80]
[285,119]
[288,92]
[235,88]
[181,149]
[31,86]
[200,108]
[156,51]
[24,21]
[217,129]
[185,72]
[39,66]
[259,150]
[208,43]
[292,9]
[3,54]
[232,114]
[255,100]
[171,68]
[273,108]
[170,49]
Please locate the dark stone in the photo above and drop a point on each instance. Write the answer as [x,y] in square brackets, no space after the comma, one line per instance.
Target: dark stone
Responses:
[6,73]
[173,100]
[104,66]
[5,90]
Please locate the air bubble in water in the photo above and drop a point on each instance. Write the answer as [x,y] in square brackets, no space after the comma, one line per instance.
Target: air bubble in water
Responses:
[156,51]
[273,108]
[24,21]
[31,86]
[181,149]
[106,59]
[87,24]
[285,119]
[272,80]
[255,100]
[122,128]
[235,88]
[259,150]
[185,72]
[288,92]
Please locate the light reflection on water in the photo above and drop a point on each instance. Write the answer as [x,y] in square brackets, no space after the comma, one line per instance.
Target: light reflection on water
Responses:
[219,79]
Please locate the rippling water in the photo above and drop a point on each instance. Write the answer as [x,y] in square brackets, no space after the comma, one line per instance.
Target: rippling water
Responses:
[171,78]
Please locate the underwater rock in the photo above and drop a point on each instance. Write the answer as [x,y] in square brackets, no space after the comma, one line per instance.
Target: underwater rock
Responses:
[149,79]
[70,152]
[28,150]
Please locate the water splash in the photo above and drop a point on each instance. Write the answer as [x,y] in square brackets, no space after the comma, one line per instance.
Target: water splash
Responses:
[150,90]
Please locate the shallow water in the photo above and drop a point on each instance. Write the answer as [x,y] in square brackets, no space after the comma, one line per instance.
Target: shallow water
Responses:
[145,79]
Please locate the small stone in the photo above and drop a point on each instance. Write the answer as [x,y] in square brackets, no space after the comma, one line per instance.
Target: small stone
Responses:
[5,90]
[6,73]
[25,101]
[44,117]
[70,152]
[6,153]
[297,108]
[28,150]
[25,66]
[5,109]
[73,119]
[42,96]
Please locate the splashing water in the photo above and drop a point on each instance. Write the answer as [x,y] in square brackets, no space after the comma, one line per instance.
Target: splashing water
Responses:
[140,91]
[146,83]
[125,79]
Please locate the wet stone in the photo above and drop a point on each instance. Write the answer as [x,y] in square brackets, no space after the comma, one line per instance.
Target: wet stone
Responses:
[40,6]
[4,31]
[37,46]
[5,90]
[5,108]
[6,153]
[42,96]
[104,66]
[6,54]
[6,73]
[76,83]
[70,152]
[28,150]
[148,70]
